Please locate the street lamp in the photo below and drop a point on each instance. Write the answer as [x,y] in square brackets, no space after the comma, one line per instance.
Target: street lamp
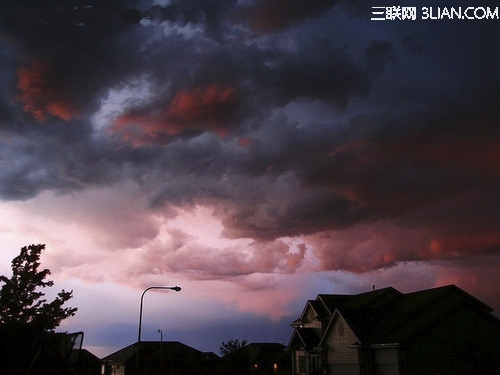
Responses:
[161,335]
[174,288]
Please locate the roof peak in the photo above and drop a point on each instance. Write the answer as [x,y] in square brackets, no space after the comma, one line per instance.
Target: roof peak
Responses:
[361,293]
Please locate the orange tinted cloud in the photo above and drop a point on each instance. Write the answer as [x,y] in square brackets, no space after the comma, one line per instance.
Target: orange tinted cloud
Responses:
[469,244]
[41,96]
[203,105]
[200,109]
[244,142]
[366,247]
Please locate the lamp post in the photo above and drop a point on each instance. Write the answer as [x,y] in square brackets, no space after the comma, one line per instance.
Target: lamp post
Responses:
[174,288]
[161,335]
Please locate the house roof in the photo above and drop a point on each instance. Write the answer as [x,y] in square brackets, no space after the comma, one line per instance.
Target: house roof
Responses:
[389,316]
[87,356]
[152,349]
[88,363]
[326,304]
[320,308]
[122,355]
[365,311]
[307,337]
[332,301]
[416,312]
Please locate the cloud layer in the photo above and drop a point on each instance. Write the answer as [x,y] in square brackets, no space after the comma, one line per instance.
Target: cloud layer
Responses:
[245,142]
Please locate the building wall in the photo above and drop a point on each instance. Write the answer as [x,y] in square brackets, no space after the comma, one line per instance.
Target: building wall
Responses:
[301,362]
[341,358]
[466,342]
[117,369]
[386,361]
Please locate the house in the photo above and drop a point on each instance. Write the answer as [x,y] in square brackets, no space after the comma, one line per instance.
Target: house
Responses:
[88,364]
[159,357]
[385,332]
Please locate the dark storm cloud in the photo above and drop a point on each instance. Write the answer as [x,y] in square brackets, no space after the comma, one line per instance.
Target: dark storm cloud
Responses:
[275,15]
[271,16]
[252,80]
[64,74]
[433,166]
[70,74]
[64,69]
[319,70]
[334,179]
[411,134]
[55,158]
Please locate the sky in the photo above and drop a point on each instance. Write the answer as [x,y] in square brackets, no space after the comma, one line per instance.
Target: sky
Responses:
[256,153]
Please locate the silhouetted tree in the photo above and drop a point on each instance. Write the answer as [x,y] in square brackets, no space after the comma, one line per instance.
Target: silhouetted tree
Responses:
[231,346]
[21,298]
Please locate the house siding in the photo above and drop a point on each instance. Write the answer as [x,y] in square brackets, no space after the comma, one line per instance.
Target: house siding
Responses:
[341,357]
[386,361]
[117,369]
[341,369]
[301,362]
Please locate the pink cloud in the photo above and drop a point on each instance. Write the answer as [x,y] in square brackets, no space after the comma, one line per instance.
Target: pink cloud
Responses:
[185,253]
[366,247]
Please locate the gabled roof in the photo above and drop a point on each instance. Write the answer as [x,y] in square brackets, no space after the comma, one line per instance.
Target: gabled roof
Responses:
[374,298]
[389,316]
[416,312]
[307,337]
[122,355]
[153,349]
[88,355]
[332,301]
[335,317]
[88,363]
[365,311]
[318,307]
[322,312]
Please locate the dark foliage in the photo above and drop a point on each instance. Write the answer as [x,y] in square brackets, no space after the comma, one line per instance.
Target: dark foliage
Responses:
[22,302]
[231,346]
[27,320]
